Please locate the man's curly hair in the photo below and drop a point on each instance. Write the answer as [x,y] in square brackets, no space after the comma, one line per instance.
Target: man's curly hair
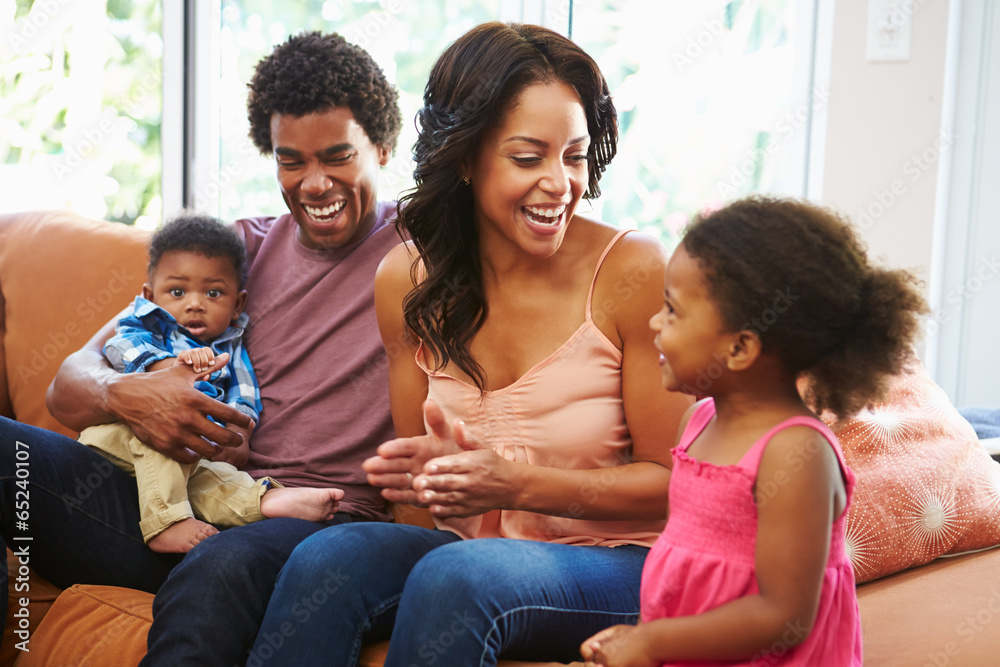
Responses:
[312,72]
[194,232]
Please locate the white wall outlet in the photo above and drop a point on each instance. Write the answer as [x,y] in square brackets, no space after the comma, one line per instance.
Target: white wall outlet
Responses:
[889,23]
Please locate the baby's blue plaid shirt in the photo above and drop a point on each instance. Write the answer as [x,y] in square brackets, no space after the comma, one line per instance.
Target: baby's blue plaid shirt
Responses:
[146,333]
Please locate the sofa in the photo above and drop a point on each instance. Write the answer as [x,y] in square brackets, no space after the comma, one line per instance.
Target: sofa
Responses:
[63,276]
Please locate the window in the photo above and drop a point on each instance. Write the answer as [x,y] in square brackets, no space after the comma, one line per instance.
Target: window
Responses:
[713,101]
[714,98]
[80,108]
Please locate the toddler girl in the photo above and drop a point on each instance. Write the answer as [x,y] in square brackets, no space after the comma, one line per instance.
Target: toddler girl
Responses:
[751,567]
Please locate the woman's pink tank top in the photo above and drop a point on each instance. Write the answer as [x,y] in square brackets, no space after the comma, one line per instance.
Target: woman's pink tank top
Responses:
[565,412]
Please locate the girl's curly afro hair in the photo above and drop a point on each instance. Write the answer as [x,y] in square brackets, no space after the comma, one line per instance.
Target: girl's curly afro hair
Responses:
[850,325]
[312,72]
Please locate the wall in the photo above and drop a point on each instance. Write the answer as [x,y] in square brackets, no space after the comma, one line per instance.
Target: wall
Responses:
[909,150]
[884,138]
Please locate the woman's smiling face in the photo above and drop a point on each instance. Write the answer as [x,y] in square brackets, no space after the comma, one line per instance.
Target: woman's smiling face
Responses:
[531,170]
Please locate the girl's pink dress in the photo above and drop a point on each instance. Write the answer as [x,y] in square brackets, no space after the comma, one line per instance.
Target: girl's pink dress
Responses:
[705,556]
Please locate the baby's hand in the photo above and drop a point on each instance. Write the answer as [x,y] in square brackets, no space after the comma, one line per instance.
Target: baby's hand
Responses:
[199,359]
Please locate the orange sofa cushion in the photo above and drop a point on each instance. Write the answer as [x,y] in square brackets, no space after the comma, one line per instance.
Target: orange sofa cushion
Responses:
[92,625]
[45,319]
[925,486]
[944,614]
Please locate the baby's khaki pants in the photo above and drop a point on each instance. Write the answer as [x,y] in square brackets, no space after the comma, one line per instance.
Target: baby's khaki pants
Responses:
[215,492]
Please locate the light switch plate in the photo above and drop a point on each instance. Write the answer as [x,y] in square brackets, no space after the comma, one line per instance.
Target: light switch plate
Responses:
[889,23]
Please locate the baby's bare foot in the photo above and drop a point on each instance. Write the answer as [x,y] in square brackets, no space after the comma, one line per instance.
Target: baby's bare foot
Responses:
[309,504]
[182,536]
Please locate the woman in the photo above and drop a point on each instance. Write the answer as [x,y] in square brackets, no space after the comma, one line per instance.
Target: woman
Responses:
[529,323]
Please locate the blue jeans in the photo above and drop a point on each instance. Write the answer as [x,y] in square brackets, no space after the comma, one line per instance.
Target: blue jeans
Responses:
[80,512]
[210,607]
[83,521]
[444,601]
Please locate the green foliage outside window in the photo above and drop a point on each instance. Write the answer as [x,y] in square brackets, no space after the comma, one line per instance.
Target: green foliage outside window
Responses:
[80,107]
[705,91]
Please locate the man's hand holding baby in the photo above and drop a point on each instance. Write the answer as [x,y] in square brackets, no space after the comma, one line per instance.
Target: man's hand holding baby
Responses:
[202,362]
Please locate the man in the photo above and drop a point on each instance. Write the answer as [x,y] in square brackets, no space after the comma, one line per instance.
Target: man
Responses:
[325,111]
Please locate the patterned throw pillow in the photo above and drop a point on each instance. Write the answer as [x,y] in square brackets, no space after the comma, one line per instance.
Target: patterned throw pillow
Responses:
[925,485]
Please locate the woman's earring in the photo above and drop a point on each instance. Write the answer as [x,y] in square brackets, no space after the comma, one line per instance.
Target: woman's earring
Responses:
[466,181]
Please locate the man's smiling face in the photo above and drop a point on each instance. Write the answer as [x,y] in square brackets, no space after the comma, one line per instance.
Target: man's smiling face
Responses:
[327,170]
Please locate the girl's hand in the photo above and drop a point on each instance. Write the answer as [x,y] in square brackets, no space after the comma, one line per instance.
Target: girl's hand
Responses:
[617,646]
[399,461]
[472,482]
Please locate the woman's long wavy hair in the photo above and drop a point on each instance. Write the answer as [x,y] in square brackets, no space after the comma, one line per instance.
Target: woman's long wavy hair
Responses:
[474,82]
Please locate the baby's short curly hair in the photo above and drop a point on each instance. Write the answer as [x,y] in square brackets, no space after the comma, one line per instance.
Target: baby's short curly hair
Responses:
[312,72]
[203,234]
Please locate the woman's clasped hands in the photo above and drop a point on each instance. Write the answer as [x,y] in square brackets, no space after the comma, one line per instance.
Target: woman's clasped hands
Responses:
[448,470]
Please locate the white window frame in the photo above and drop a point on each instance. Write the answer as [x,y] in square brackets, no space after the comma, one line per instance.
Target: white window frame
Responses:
[191,110]
[962,330]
